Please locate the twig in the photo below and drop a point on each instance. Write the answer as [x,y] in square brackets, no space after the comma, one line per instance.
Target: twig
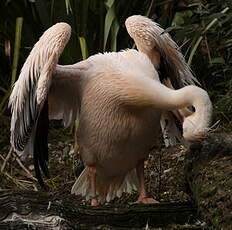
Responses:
[17,182]
[14,180]
[28,174]
[6,159]
[207,47]
[18,161]
[149,9]
[23,167]
[25,181]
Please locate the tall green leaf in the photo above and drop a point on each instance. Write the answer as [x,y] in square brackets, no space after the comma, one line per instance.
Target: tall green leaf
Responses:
[194,48]
[114,33]
[18,33]
[68,7]
[84,49]
[110,17]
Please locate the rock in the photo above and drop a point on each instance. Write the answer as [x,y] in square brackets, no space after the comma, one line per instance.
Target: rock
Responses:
[167,170]
[31,167]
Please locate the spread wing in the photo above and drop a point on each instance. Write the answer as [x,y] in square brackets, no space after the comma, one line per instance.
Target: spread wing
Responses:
[64,95]
[151,39]
[166,57]
[29,98]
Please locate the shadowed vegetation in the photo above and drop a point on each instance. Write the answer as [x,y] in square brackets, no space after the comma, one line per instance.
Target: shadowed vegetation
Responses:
[201,28]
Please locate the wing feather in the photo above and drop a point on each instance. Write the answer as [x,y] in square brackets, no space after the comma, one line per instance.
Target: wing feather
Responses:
[65,90]
[148,36]
[31,89]
[29,94]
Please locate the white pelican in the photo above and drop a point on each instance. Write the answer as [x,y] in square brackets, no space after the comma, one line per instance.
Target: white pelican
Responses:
[118,98]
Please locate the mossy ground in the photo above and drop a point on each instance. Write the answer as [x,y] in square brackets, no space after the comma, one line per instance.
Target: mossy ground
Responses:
[214,198]
[209,173]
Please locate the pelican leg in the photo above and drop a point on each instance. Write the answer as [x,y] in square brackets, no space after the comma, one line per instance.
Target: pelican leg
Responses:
[143,199]
[92,178]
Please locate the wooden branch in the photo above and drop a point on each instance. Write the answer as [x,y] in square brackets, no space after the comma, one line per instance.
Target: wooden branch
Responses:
[19,209]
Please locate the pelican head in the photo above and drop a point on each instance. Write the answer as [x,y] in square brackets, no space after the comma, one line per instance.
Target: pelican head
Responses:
[196,126]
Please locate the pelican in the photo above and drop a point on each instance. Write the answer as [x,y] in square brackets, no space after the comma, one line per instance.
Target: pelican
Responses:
[119,99]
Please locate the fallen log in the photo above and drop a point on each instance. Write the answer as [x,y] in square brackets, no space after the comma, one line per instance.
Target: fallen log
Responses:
[36,210]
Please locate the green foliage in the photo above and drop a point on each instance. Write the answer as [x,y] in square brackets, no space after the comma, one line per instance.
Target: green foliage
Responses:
[206,34]
[17,43]
[18,31]
[201,28]
[84,49]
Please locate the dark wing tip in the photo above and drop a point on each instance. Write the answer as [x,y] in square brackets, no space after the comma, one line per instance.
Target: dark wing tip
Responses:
[41,144]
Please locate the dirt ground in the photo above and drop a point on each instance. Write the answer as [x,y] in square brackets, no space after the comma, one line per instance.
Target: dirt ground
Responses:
[164,172]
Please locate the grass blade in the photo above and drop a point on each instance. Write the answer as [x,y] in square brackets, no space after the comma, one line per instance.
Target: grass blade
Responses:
[84,49]
[110,16]
[18,33]
[114,33]
[68,7]
[193,51]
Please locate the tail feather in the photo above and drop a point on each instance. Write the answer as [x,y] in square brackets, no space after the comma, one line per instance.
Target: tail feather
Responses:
[106,188]
[81,185]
